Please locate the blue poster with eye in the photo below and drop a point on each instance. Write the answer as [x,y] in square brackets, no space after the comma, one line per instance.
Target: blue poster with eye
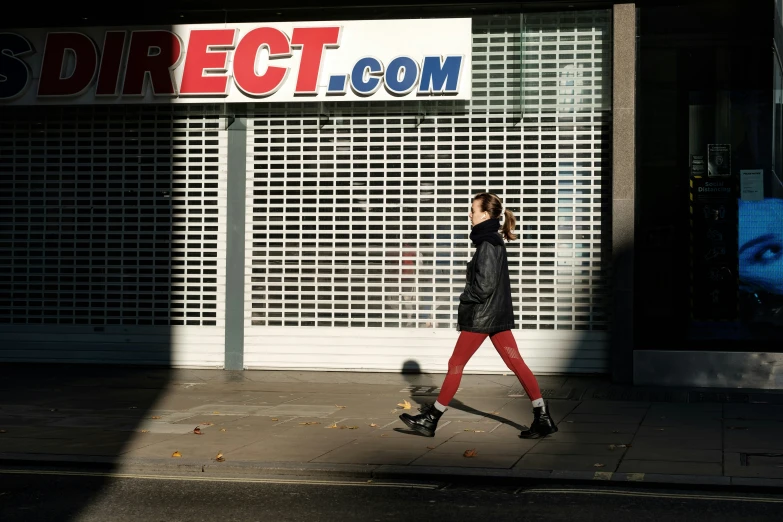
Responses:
[760,250]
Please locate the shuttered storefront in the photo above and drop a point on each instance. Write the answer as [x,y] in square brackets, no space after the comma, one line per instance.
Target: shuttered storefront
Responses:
[357,226]
[112,235]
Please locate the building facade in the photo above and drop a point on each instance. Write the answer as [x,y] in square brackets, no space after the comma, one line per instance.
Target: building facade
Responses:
[324,226]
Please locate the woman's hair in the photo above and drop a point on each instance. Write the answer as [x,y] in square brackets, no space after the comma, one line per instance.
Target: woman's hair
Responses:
[492,205]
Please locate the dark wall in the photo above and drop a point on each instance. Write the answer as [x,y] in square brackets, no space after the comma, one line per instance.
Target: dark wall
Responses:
[692,55]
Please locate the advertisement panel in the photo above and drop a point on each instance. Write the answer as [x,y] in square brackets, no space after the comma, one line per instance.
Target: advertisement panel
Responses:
[234,63]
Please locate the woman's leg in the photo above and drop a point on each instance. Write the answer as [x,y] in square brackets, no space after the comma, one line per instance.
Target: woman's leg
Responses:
[506,346]
[467,344]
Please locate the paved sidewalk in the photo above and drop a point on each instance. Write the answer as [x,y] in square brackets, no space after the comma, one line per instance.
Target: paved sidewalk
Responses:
[347,424]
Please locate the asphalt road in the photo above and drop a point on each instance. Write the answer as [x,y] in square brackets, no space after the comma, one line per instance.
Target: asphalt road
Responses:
[31,496]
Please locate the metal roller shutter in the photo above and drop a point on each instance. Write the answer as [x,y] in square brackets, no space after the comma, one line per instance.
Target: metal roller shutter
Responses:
[112,235]
[357,213]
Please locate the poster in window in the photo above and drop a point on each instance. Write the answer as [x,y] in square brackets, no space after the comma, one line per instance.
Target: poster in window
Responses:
[760,252]
[718,161]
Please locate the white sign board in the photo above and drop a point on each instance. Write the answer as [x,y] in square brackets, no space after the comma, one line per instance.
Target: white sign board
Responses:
[232,63]
[752,185]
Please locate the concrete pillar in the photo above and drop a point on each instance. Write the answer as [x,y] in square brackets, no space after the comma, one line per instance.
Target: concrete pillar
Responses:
[623,191]
[235,245]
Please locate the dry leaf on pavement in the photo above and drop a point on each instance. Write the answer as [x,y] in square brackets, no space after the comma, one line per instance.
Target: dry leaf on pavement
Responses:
[338,406]
[405,405]
[599,465]
[274,420]
[156,417]
[143,431]
[430,447]
[215,413]
[176,454]
[207,423]
[333,426]
[612,447]
[220,457]
[197,431]
[353,427]
[223,430]
[470,453]
[373,425]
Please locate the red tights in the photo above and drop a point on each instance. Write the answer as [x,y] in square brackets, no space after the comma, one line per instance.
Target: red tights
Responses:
[504,343]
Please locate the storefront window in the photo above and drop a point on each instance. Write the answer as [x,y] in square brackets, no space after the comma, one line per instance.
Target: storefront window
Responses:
[709,151]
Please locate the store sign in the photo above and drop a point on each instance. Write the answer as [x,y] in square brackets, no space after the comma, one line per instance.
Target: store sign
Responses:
[279,62]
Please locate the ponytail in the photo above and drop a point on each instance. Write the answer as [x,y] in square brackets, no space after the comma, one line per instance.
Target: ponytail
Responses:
[509,224]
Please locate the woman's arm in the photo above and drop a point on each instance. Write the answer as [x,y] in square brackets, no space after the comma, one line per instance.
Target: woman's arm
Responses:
[486,276]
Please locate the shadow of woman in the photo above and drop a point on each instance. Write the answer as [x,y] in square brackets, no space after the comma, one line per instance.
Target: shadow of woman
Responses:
[411,372]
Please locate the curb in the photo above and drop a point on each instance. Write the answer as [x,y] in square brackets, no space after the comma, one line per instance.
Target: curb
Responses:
[369,472]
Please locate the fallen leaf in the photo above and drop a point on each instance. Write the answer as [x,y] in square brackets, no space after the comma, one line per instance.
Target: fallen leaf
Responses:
[612,447]
[353,427]
[622,446]
[215,413]
[470,453]
[405,405]
[176,454]
[373,425]
[197,430]
[143,431]
[156,417]
[308,423]
[430,447]
[274,420]
[338,406]
[220,457]
[334,425]
[223,430]
[495,413]
[207,423]
[599,465]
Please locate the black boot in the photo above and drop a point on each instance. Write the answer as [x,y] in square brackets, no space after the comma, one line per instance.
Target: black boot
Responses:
[426,422]
[542,425]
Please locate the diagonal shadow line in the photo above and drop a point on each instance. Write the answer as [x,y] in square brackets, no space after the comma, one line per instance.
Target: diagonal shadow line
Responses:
[461,406]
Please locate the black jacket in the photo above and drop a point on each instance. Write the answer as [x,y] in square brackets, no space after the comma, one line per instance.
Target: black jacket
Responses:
[485,305]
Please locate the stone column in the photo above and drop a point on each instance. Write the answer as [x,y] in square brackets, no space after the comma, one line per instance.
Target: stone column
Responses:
[623,191]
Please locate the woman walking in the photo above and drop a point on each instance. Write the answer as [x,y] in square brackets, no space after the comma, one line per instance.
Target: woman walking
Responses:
[485,310]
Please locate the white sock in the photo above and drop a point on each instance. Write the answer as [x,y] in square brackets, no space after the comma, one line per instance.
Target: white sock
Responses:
[538,403]
[439,406]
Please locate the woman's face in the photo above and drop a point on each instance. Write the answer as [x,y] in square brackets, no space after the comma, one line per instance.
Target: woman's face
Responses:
[761,244]
[476,214]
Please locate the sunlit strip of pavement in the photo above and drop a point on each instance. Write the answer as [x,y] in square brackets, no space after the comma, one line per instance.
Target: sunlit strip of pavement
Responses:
[243,480]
